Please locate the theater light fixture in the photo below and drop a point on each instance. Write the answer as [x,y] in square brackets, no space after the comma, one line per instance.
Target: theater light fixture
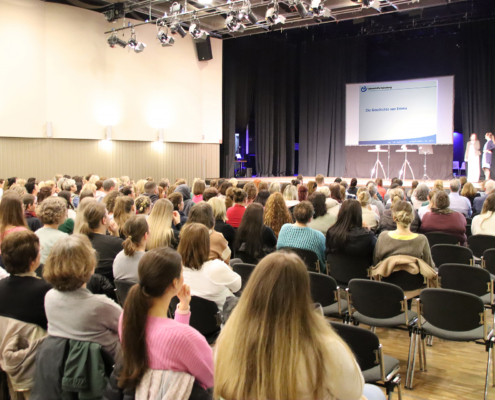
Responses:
[113,41]
[165,39]
[176,27]
[273,16]
[138,47]
[300,8]
[375,4]
[318,9]
[196,32]
[246,13]
[233,22]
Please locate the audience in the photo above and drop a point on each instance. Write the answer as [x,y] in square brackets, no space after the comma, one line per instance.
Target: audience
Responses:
[32,220]
[210,193]
[299,235]
[43,194]
[52,212]
[223,189]
[443,219]
[151,191]
[470,193]
[125,265]
[427,208]
[109,201]
[124,209]
[22,294]
[198,190]
[311,361]
[478,201]
[370,218]
[484,223]
[419,197]
[312,186]
[387,220]
[414,185]
[352,189]
[209,279]
[108,186]
[324,216]
[262,197]
[178,202]
[143,206]
[438,184]
[235,213]
[457,202]
[221,226]
[251,192]
[402,241]
[183,189]
[320,180]
[274,187]
[380,188]
[290,197]
[160,223]
[73,312]
[374,202]
[253,239]
[276,213]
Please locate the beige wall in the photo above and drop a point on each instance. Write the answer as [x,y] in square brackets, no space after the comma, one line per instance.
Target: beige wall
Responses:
[56,66]
[43,158]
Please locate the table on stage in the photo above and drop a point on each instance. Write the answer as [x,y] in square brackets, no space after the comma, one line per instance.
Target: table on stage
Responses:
[238,171]
[402,173]
[378,163]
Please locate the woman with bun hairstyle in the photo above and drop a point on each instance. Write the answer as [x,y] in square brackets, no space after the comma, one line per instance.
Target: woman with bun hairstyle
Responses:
[143,206]
[125,265]
[370,218]
[387,221]
[235,213]
[402,241]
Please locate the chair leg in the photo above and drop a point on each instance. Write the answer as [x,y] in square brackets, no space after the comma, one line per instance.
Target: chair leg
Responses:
[373,329]
[423,340]
[488,365]
[429,341]
[410,367]
[420,350]
[493,363]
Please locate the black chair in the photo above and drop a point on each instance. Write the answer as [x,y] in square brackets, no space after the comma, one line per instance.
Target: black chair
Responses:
[440,238]
[344,267]
[123,286]
[309,257]
[379,304]
[325,291]
[245,271]
[488,261]
[468,231]
[451,254]
[465,278]
[246,258]
[205,317]
[479,243]
[376,367]
[409,283]
[449,315]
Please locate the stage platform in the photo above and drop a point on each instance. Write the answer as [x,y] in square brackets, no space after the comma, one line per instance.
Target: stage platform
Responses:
[328,180]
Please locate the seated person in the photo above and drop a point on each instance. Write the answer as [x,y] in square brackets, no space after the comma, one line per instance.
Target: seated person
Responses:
[52,212]
[209,279]
[125,265]
[22,294]
[73,312]
[325,214]
[300,236]
[387,221]
[402,241]
[484,224]
[221,226]
[443,219]
[419,197]
[164,225]
[370,217]
[32,220]
[457,202]
[348,236]
[178,202]
[235,213]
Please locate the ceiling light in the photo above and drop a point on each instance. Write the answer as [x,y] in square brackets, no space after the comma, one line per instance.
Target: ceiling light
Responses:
[197,33]
[165,39]
[233,23]
[272,15]
[138,47]
[115,41]
[246,13]
[176,27]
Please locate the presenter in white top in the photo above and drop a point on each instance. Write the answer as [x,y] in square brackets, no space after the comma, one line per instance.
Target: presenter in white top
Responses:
[472,157]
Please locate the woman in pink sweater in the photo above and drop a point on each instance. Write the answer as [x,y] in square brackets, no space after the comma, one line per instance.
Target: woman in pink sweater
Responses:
[167,344]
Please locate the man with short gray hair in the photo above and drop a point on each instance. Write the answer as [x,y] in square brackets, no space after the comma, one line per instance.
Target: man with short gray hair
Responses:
[374,198]
[478,201]
[457,202]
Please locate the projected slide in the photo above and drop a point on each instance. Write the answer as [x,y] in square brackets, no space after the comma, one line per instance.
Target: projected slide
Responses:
[398,113]
[416,111]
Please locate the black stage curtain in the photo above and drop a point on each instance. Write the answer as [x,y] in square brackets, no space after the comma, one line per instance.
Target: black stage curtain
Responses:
[325,69]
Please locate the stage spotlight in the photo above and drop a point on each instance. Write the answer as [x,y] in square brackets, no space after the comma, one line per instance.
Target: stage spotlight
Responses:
[246,12]
[176,27]
[272,15]
[197,33]
[115,41]
[318,10]
[138,47]
[375,4]
[165,39]
[176,8]
[233,23]
[300,7]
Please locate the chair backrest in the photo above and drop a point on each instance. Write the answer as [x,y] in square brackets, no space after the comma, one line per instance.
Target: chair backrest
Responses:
[246,258]
[245,271]
[451,310]
[323,288]
[362,342]
[309,257]
[451,254]
[123,286]
[455,164]
[440,238]
[405,280]
[376,299]
[203,314]
[479,243]
[489,261]
[464,278]
[344,267]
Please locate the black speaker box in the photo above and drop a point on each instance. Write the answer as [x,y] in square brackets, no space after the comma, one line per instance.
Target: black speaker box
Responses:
[203,50]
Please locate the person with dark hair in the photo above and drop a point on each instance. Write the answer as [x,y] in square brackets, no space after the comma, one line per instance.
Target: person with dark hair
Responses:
[443,219]
[125,265]
[352,189]
[323,219]
[198,190]
[151,341]
[235,213]
[128,191]
[380,188]
[302,193]
[178,202]
[300,236]
[151,191]
[300,178]
[44,193]
[68,225]
[223,188]
[347,235]
[252,237]
[31,188]
[209,279]
[11,216]
[186,195]
[262,197]
[108,185]
[210,193]
[32,220]
[84,194]
[335,192]
[22,294]
[337,180]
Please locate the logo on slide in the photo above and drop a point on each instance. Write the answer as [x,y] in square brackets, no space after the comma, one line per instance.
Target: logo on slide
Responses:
[363,89]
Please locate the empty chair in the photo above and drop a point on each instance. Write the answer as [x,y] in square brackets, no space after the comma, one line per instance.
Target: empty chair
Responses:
[479,243]
[465,278]
[451,254]
[440,238]
[376,367]
[488,261]
[324,290]
[123,286]
[343,267]
[245,271]
[309,257]
[205,317]
[378,304]
[449,315]
[455,166]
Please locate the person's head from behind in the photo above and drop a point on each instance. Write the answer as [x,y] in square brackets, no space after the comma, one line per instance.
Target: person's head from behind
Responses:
[455,185]
[160,277]
[95,218]
[240,197]
[468,190]
[70,264]
[372,189]
[128,191]
[303,212]
[396,195]
[31,188]
[441,201]
[202,213]
[124,209]
[353,182]
[29,202]
[335,192]
[489,186]
[110,199]
[379,182]
[488,204]
[403,213]
[438,184]
[325,190]
[250,231]
[210,193]
[262,197]
[151,187]
[266,322]
[300,178]
[463,181]
[108,185]
[337,180]
[218,208]
[52,211]
[21,252]
[274,187]
[422,192]
[318,199]
[319,179]
[199,187]
[86,193]
[136,231]
[290,192]
[177,200]
[224,187]
[143,205]
[69,185]
[364,198]
[252,192]
[302,193]
[350,217]
[64,194]
[194,245]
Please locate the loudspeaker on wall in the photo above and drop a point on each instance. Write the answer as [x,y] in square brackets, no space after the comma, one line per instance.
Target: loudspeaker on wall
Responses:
[203,50]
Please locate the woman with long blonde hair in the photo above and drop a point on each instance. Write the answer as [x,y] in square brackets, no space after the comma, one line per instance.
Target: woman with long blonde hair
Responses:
[276,213]
[140,187]
[160,222]
[278,346]
[80,213]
